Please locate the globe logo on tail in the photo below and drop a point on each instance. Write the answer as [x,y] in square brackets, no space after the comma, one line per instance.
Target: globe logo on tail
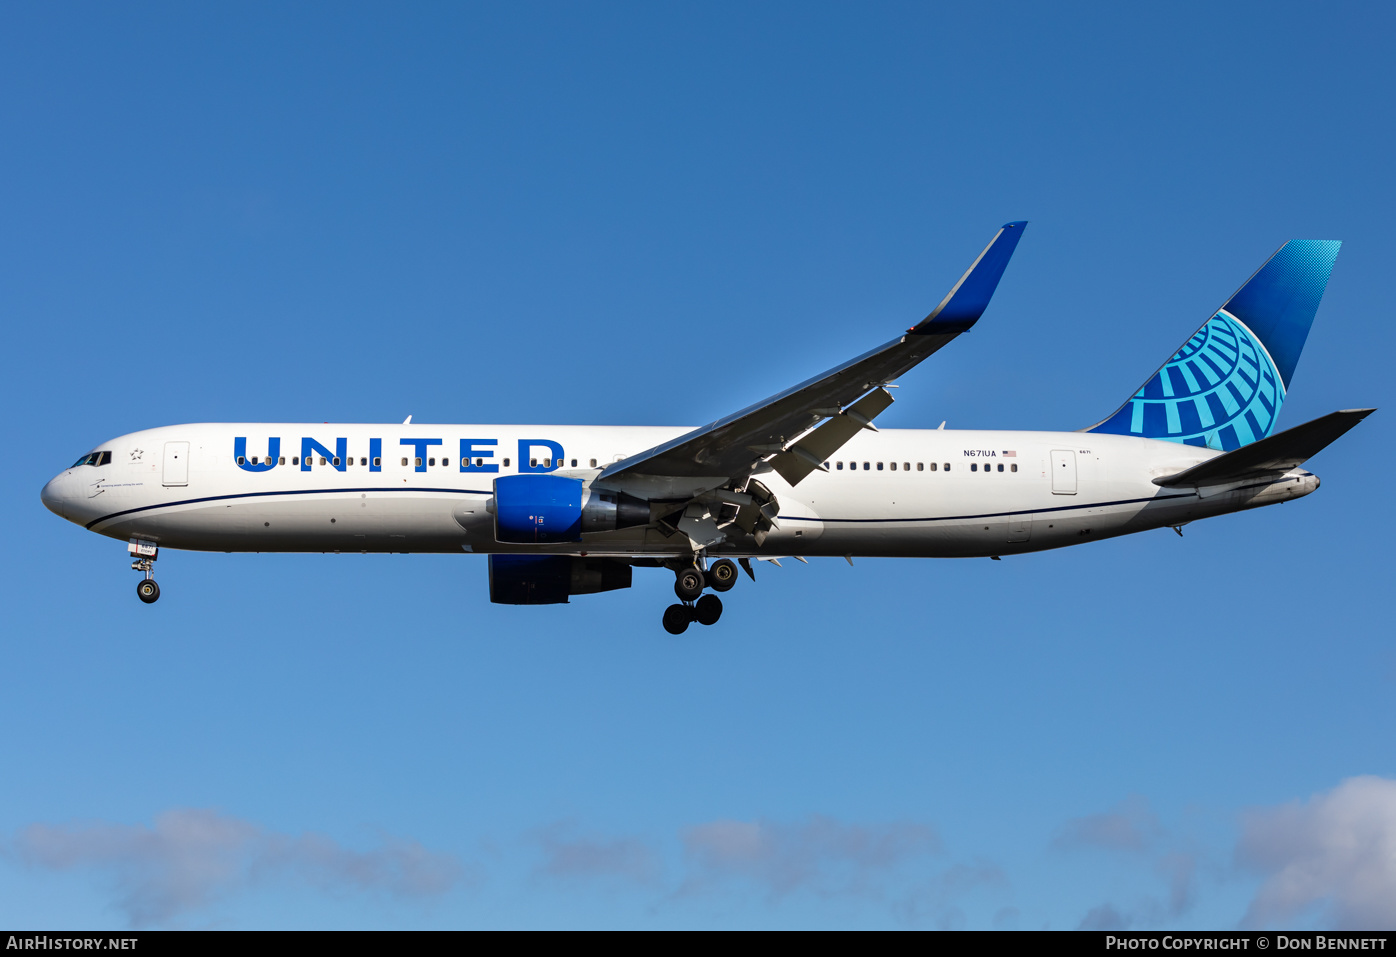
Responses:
[1221,391]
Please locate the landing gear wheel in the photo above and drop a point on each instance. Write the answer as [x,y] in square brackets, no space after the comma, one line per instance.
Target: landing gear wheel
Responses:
[689,584]
[723,575]
[707,610]
[148,591]
[676,619]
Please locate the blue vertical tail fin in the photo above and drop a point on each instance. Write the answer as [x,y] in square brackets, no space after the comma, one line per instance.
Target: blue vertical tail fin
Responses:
[1223,389]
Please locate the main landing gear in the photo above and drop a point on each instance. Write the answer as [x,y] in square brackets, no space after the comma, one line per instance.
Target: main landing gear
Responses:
[689,584]
[145,554]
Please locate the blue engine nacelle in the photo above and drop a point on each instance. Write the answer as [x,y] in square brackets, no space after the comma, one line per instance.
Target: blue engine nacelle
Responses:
[546,509]
[552,579]
[537,509]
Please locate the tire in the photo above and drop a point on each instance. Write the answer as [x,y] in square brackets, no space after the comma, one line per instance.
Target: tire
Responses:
[689,584]
[676,619]
[147,591]
[723,575]
[708,610]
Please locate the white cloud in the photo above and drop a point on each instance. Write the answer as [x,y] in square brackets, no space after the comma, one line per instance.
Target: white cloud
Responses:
[1105,917]
[1130,826]
[935,900]
[1335,853]
[571,857]
[822,855]
[191,857]
[1133,829]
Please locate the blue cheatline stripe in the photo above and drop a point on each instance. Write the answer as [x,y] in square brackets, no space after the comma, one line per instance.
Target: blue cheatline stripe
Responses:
[783,518]
[1021,511]
[312,491]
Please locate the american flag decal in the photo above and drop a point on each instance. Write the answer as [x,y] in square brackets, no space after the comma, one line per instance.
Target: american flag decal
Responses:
[1010,455]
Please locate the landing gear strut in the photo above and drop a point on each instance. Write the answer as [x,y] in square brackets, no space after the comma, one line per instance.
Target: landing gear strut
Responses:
[689,583]
[145,554]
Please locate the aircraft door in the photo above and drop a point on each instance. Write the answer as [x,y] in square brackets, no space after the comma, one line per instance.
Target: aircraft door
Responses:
[176,463]
[1063,472]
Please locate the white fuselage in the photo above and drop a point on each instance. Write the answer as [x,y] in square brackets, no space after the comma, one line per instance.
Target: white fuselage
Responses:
[897,492]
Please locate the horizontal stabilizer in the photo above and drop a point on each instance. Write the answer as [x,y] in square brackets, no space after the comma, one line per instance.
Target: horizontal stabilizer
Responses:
[1278,453]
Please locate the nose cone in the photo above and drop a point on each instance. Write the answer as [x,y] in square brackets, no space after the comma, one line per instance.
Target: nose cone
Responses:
[53,495]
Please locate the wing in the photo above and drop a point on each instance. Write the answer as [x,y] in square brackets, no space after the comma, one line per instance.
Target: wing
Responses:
[776,434]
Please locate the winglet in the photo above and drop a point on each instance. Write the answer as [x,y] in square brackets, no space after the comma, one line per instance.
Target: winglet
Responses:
[966,302]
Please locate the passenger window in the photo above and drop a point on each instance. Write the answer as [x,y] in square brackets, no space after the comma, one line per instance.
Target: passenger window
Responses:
[593,463]
[1000,466]
[921,466]
[417,462]
[241,461]
[974,466]
[867,466]
[336,461]
[295,460]
[879,466]
[574,463]
[404,462]
[378,461]
[1013,467]
[906,466]
[431,462]
[839,466]
[506,463]
[533,463]
[894,466]
[322,460]
[947,466]
[363,460]
[254,460]
[281,461]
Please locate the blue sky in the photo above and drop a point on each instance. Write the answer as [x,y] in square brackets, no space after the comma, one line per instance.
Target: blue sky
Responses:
[657,214]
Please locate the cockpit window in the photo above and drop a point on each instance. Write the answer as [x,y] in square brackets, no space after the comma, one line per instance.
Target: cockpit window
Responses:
[94,458]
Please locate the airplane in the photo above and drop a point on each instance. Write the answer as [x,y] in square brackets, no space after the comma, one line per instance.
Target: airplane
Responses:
[572,510]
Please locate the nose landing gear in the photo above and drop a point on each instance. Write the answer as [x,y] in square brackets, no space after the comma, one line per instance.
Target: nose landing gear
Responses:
[145,554]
